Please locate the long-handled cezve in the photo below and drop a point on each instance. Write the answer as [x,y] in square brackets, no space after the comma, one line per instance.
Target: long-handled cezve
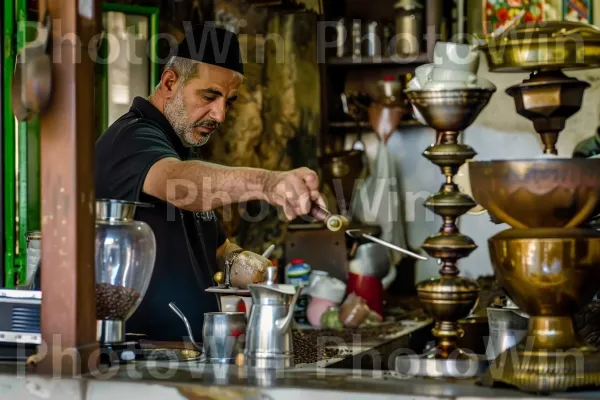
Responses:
[357,234]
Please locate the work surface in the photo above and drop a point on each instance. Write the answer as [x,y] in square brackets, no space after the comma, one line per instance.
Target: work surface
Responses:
[343,379]
[192,380]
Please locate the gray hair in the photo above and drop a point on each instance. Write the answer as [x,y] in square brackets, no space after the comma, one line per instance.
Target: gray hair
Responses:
[185,68]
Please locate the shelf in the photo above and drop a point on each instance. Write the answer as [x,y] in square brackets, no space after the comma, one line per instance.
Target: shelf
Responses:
[365,124]
[383,61]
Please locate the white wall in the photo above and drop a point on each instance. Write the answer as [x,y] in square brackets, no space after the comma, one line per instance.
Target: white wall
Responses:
[499,132]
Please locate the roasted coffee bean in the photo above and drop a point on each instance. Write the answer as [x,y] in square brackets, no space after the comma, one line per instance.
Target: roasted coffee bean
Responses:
[308,349]
[114,302]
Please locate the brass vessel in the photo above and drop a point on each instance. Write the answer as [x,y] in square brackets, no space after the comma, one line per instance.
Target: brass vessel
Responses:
[449,297]
[550,274]
[548,99]
[538,193]
[549,45]
[450,110]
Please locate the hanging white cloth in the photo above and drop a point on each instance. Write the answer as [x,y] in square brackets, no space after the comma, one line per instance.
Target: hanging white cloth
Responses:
[378,201]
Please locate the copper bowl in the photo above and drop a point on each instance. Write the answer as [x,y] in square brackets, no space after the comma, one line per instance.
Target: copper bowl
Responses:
[449,110]
[547,272]
[538,193]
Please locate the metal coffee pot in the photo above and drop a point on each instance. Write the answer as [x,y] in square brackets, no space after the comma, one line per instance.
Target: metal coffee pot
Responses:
[269,334]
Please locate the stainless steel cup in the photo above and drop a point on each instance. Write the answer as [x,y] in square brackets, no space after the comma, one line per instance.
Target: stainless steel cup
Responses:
[223,336]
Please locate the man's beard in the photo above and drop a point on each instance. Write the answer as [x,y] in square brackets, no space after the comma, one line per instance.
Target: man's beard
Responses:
[177,116]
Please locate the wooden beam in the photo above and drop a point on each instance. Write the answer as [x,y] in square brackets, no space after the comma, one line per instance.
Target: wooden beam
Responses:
[68,316]
[433,12]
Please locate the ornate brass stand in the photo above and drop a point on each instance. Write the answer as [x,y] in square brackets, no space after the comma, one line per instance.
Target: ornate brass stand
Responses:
[448,297]
[548,263]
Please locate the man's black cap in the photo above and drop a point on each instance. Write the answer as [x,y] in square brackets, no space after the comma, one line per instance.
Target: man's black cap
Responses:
[212,45]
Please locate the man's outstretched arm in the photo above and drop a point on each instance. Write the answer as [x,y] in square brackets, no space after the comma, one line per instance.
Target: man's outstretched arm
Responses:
[202,186]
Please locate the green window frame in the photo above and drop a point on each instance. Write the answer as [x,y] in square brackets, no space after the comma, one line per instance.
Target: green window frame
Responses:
[152,13]
[21,149]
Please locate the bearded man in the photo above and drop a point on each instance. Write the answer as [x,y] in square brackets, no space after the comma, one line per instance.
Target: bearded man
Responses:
[146,156]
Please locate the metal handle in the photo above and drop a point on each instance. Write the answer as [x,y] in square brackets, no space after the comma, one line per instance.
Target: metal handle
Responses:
[283,324]
[394,247]
[319,212]
[333,222]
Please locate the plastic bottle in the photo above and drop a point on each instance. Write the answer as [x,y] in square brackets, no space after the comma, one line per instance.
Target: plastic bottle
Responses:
[297,273]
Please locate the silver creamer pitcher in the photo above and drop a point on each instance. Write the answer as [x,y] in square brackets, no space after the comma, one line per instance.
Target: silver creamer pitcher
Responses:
[269,330]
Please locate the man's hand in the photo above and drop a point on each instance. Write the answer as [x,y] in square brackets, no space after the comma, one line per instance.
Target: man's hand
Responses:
[294,191]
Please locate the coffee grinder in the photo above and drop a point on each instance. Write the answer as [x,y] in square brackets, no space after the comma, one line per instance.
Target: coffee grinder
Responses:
[125,253]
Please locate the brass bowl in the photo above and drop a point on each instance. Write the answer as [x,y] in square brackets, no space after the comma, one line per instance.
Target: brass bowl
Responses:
[449,110]
[544,45]
[550,274]
[547,272]
[538,193]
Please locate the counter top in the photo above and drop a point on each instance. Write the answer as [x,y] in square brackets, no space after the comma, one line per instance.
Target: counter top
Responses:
[340,378]
[192,380]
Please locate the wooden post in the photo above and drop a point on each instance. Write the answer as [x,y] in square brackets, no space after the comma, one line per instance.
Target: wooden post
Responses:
[68,318]
[432,22]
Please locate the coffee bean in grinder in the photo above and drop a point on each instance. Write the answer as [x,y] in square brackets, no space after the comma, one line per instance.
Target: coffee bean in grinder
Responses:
[125,255]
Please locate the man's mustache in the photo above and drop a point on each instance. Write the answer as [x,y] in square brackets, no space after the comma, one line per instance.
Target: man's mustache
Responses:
[209,123]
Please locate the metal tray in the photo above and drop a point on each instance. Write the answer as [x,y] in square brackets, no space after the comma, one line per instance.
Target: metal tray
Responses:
[231,291]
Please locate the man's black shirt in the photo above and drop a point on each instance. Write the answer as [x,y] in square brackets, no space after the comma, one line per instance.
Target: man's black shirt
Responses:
[186,242]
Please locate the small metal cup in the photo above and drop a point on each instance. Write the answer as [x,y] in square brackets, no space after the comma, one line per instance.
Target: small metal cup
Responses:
[223,336]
